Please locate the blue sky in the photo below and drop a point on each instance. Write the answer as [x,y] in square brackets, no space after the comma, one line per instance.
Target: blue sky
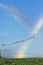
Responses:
[10,28]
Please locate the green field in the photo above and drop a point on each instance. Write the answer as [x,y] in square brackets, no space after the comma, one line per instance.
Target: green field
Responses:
[22,61]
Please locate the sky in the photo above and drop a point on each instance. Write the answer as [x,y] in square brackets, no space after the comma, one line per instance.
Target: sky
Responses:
[20,19]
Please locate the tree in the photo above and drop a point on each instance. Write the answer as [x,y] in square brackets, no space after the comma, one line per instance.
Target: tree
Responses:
[0,54]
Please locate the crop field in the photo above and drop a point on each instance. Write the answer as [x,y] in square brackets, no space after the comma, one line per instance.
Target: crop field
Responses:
[21,61]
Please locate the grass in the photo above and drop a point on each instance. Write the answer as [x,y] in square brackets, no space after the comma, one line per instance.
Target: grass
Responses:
[21,61]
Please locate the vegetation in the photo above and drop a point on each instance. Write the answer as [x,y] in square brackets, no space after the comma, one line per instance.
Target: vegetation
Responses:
[21,61]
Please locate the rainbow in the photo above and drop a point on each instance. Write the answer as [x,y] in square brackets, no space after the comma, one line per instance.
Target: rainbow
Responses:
[22,49]
[38,26]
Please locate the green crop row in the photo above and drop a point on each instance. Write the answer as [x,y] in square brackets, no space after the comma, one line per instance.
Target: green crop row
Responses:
[21,61]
